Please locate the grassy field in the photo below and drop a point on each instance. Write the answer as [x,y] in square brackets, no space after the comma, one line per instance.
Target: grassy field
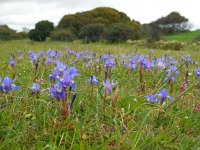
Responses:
[116,113]
[183,37]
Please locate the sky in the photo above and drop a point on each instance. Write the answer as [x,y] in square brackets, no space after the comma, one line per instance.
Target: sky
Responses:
[25,13]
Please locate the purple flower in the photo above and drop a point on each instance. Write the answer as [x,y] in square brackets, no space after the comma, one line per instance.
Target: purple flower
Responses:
[151,98]
[145,63]
[160,63]
[198,72]
[57,91]
[107,87]
[68,76]
[169,72]
[163,95]
[34,58]
[51,53]
[12,61]
[109,63]
[20,54]
[54,75]
[79,55]
[30,53]
[93,80]
[35,88]
[60,67]
[174,70]
[71,52]
[7,85]
[132,66]
[73,72]
[67,80]
[105,57]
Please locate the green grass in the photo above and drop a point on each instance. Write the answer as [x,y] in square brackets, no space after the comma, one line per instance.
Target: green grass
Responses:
[34,122]
[183,37]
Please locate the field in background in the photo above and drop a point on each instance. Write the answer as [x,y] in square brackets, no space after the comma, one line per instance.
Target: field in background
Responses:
[6,47]
[183,37]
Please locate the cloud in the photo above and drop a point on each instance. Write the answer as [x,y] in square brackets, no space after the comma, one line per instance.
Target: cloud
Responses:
[21,13]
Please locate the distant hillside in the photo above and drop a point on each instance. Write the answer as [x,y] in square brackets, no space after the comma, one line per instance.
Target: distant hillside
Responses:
[183,37]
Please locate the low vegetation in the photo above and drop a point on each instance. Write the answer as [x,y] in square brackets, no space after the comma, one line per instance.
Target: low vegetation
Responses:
[58,95]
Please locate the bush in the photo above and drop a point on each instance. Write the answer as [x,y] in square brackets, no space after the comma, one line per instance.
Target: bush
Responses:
[36,35]
[6,33]
[62,35]
[22,35]
[197,38]
[170,45]
[92,32]
[152,32]
[119,32]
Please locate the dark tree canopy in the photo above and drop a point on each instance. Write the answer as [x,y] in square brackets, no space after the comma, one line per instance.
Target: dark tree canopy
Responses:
[172,23]
[42,30]
[92,32]
[62,35]
[119,32]
[101,15]
[35,35]
[7,33]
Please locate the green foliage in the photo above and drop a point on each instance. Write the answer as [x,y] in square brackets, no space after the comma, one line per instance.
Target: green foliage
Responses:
[62,35]
[119,32]
[153,34]
[92,32]
[42,30]
[172,23]
[101,20]
[197,38]
[7,33]
[70,21]
[102,15]
[168,45]
[22,35]
[36,35]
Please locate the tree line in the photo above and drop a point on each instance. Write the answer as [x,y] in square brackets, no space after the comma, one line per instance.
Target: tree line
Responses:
[100,24]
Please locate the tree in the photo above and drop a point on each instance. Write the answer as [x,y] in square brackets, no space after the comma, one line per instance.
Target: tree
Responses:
[35,35]
[154,34]
[101,15]
[119,32]
[70,21]
[151,32]
[92,32]
[7,33]
[172,23]
[62,35]
[42,30]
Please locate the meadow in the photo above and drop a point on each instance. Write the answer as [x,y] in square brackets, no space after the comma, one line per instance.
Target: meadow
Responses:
[183,37]
[59,95]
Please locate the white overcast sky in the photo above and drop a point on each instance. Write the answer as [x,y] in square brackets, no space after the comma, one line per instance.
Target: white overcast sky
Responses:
[25,13]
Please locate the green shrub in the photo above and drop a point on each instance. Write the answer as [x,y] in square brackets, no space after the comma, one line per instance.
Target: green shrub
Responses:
[62,35]
[119,32]
[22,35]
[169,45]
[92,32]
[7,33]
[197,38]
[36,35]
